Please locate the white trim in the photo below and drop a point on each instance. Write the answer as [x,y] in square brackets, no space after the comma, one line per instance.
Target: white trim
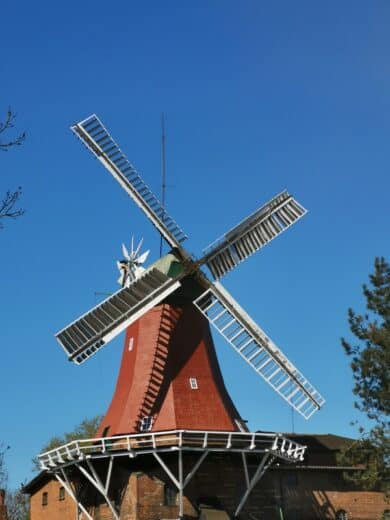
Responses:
[189,440]
[193,383]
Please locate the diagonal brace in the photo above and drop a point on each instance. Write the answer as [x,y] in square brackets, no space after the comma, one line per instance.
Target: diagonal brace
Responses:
[188,476]
[195,468]
[167,470]
[95,481]
[181,482]
[109,472]
[64,481]
[265,463]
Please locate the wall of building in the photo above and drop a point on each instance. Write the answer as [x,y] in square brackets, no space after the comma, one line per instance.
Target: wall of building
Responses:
[140,489]
[320,494]
[56,507]
[3,507]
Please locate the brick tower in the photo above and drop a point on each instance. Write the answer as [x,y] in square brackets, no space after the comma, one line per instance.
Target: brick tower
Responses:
[169,377]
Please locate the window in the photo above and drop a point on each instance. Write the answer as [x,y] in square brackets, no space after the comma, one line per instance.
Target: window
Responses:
[105,431]
[146,423]
[45,498]
[169,496]
[193,383]
[61,493]
[341,515]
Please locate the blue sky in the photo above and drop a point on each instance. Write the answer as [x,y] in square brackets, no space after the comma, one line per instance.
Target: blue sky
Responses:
[258,97]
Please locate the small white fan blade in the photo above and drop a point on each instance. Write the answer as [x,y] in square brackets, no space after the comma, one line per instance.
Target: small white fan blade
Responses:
[125,252]
[139,247]
[141,259]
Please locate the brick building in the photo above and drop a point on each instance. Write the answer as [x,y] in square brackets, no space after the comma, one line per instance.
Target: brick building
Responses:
[3,507]
[313,489]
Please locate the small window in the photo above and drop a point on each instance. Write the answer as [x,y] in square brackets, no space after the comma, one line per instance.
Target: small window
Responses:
[169,496]
[105,431]
[146,423]
[61,493]
[45,498]
[193,383]
[341,515]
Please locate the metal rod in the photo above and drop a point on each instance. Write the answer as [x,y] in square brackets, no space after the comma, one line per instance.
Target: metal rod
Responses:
[195,468]
[256,477]
[95,480]
[167,470]
[181,505]
[163,174]
[68,488]
[246,473]
[108,479]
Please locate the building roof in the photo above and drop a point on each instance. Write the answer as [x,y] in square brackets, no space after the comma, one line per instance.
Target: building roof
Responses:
[320,442]
[37,482]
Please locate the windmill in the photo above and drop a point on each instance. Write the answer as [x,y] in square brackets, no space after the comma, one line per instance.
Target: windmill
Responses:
[130,267]
[169,380]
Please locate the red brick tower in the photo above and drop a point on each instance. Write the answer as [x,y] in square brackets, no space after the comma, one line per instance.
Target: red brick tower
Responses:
[169,377]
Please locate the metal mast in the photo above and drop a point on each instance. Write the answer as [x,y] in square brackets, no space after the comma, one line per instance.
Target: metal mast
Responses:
[163,173]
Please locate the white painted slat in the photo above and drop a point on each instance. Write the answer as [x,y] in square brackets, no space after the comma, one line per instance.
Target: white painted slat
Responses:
[150,289]
[98,140]
[273,366]
[252,234]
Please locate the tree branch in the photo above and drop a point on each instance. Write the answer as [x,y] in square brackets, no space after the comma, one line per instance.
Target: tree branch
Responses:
[6,125]
[8,207]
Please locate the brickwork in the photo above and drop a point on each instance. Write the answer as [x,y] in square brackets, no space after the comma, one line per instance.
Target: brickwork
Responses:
[359,505]
[321,494]
[301,494]
[51,506]
[147,500]
[3,507]
[163,351]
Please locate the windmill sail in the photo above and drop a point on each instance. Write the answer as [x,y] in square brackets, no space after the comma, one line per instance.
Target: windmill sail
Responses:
[89,333]
[252,234]
[97,138]
[259,351]
[143,290]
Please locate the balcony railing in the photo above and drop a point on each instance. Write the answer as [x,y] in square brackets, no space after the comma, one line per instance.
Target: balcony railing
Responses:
[185,440]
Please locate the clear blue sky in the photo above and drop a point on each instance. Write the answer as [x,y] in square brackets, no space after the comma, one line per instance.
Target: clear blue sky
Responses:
[259,96]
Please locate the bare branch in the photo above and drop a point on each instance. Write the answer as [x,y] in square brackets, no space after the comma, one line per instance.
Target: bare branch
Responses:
[6,125]
[8,207]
